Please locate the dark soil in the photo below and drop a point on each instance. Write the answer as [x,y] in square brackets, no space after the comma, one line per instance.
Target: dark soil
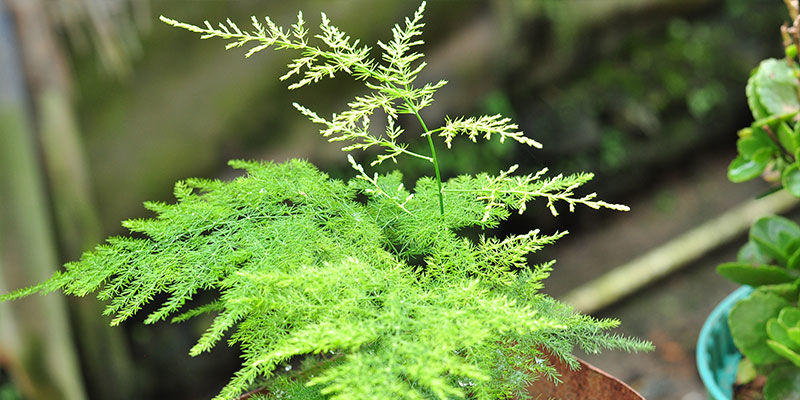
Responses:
[751,390]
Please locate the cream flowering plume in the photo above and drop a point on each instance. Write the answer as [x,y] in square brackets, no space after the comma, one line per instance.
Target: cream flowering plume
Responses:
[390,83]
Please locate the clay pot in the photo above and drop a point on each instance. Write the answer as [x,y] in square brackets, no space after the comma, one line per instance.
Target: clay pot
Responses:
[587,382]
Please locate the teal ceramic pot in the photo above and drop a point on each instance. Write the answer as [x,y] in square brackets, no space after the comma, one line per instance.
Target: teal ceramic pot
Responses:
[717,357]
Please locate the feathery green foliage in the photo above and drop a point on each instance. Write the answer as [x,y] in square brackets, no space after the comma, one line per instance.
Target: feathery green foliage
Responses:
[359,289]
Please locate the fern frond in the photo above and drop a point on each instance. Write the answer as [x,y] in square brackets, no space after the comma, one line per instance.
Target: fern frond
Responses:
[515,191]
[380,298]
[376,188]
[197,311]
[485,126]
[397,53]
[55,282]
[502,259]
[390,84]
[304,270]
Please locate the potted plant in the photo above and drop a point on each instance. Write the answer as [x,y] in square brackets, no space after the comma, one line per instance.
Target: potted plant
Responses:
[358,289]
[761,321]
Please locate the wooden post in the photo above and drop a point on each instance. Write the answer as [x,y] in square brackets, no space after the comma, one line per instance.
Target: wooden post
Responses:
[35,337]
[669,257]
[103,353]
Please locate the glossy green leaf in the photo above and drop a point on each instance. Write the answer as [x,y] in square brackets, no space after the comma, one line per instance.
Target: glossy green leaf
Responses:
[747,274]
[789,317]
[745,372]
[777,332]
[750,144]
[775,86]
[790,178]
[794,260]
[787,137]
[783,383]
[765,155]
[790,51]
[776,236]
[756,108]
[751,254]
[796,134]
[786,291]
[742,169]
[748,323]
[784,351]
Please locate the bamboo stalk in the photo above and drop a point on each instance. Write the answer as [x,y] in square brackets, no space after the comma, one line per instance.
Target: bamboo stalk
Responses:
[671,256]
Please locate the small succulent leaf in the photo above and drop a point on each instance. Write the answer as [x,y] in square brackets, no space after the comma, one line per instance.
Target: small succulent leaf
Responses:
[794,260]
[789,317]
[748,323]
[746,274]
[796,135]
[746,372]
[751,254]
[755,140]
[756,108]
[783,383]
[764,155]
[790,179]
[777,333]
[742,169]
[787,137]
[786,291]
[776,236]
[790,51]
[784,351]
[775,85]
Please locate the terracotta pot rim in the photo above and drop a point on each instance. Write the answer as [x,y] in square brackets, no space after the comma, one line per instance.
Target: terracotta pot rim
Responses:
[587,382]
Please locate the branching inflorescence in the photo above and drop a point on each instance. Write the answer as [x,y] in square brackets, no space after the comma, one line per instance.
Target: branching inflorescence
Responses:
[390,82]
[331,296]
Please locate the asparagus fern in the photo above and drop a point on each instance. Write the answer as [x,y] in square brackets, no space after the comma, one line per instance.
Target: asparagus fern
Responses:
[332,296]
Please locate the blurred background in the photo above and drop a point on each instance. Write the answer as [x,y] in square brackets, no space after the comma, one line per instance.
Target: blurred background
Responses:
[103,107]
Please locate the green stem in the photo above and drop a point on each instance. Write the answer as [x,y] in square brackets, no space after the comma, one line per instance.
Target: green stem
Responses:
[433,153]
[787,156]
[773,119]
[244,37]
[412,154]
[435,162]
[428,134]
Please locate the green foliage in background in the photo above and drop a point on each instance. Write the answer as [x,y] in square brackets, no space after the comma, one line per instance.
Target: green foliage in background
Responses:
[357,289]
[8,392]
[647,94]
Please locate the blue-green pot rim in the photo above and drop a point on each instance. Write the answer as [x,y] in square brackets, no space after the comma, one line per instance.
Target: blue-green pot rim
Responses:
[717,316]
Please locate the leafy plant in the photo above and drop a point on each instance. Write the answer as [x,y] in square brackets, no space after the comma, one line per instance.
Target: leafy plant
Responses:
[766,325]
[772,142]
[360,289]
